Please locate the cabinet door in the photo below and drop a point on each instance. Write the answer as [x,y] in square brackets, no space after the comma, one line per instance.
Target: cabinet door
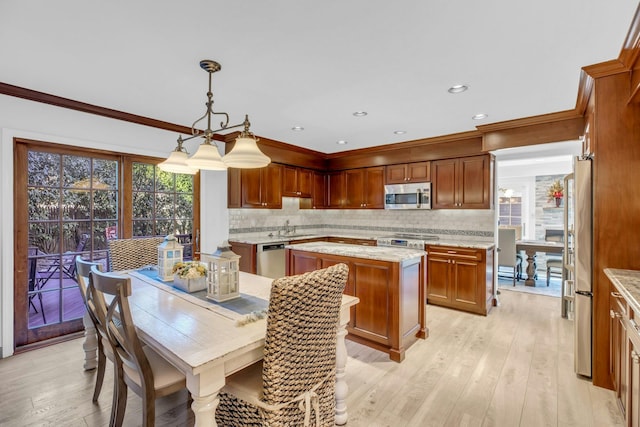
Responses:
[372,286]
[290,181]
[396,174]
[474,182]
[335,189]
[234,188]
[438,273]
[354,184]
[373,191]
[419,172]
[251,192]
[271,186]
[247,254]
[305,182]
[444,184]
[319,192]
[468,285]
[633,360]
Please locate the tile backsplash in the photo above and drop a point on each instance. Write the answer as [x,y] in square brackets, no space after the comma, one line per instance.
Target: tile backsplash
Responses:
[474,224]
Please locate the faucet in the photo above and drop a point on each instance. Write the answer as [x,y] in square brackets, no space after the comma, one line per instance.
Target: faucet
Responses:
[287,230]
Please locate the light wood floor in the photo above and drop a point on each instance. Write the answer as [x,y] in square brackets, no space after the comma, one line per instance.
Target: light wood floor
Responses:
[512,368]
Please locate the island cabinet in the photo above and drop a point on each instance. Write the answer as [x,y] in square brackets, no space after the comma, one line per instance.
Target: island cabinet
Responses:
[391,313]
[351,241]
[408,172]
[247,252]
[296,182]
[460,278]
[463,183]
[255,188]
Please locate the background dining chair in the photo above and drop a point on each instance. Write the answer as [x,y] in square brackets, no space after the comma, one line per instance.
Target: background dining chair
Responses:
[507,255]
[297,376]
[128,254]
[83,271]
[138,367]
[554,262]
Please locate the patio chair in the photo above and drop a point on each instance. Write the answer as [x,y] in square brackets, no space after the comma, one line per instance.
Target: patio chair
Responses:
[129,254]
[137,367]
[297,376]
[33,283]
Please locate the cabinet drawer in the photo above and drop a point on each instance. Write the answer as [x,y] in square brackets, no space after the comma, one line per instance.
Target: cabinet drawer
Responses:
[454,252]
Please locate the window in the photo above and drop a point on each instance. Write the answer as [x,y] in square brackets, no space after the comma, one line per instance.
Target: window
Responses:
[510,210]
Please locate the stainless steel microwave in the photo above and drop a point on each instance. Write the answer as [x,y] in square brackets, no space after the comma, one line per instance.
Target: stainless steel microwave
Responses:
[408,196]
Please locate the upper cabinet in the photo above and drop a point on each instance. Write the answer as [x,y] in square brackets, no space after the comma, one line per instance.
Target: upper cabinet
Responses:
[296,182]
[255,188]
[318,199]
[408,172]
[336,189]
[463,183]
[365,188]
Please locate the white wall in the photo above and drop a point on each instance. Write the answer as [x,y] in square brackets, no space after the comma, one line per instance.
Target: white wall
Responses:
[32,120]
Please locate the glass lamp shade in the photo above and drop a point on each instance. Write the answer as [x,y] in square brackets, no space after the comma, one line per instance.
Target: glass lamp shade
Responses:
[246,155]
[177,163]
[207,157]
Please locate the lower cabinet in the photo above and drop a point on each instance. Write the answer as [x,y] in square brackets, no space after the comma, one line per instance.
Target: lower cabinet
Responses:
[247,252]
[460,278]
[391,313]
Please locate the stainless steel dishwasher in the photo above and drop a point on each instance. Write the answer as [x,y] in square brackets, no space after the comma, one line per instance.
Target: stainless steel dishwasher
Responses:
[270,262]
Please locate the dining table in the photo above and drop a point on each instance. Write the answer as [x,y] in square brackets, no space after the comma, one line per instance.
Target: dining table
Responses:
[531,248]
[208,341]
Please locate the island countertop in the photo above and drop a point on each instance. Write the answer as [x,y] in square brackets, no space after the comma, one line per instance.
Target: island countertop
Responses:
[628,283]
[382,253]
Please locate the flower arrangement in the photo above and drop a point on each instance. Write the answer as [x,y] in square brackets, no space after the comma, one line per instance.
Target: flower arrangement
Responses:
[556,190]
[189,269]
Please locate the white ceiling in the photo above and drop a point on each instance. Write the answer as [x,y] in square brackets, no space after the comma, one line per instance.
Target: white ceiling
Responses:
[313,63]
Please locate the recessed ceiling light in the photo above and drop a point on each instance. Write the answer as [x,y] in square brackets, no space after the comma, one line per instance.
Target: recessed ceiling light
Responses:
[399,132]
[341,142]
[480,116]
[360,113]
[457,88]
[297,128]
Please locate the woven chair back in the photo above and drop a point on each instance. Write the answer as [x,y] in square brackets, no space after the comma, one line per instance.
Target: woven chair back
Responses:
[128,254]
[300,345]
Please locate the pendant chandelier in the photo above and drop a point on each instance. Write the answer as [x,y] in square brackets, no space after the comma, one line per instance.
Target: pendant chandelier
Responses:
[244,155]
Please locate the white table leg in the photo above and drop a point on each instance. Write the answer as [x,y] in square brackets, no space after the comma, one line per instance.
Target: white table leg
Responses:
[204,409]
[341,361]
[90,344]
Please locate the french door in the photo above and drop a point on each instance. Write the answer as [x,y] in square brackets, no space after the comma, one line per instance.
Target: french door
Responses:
[68,202]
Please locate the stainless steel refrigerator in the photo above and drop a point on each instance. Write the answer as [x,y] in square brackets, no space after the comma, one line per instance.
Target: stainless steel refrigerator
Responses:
[582,264]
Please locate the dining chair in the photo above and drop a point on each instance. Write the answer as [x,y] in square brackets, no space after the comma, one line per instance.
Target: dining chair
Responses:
[137,367]
[297,375]
[554,262]
[507,255]
[105,351]
[129,254]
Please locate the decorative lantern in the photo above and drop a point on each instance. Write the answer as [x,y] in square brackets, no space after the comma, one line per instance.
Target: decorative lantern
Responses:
[223,273]
[169,253]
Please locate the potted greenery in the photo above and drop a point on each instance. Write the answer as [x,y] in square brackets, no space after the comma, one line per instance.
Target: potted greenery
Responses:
[189,276]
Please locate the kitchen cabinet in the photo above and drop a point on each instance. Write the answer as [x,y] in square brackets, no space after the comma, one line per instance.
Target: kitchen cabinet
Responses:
[255,188]
[247,252]
[391,313]
[408,172]
[618,319]
[296,182]
[460,278]
[336,190]
[318,198]
[365,188]
[463,183]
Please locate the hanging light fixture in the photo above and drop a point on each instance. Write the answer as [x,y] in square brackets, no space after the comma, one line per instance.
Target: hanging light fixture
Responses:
[244,155]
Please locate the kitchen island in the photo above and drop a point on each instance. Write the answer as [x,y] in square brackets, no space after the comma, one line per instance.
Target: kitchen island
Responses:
[391,286]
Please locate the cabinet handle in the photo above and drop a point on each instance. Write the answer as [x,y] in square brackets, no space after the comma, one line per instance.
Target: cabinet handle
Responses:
[635,356]
[633,324]
[616,295]
[614,314]
[452,252]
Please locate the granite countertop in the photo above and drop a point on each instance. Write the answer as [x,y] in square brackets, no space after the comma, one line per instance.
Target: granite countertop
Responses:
[260,239]
[381,253]
[628,283]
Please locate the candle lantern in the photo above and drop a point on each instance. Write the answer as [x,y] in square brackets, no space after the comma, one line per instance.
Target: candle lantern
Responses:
[223,274]
[169,253]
